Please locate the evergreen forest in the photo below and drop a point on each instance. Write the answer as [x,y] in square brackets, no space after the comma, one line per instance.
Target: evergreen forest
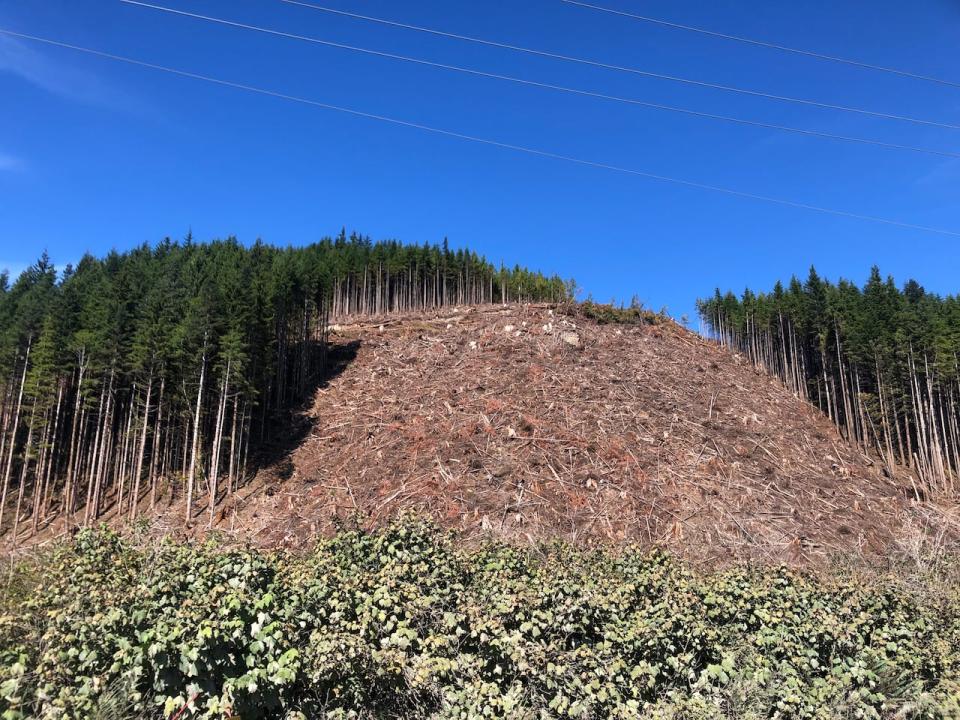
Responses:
[882,361]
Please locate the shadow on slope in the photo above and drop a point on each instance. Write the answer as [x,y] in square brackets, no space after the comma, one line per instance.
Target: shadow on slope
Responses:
[291,427]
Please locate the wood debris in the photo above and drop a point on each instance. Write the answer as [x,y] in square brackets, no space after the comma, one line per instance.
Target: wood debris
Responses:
[497,422]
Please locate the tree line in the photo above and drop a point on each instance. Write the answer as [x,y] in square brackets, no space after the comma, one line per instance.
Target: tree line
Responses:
[375,278]
[158,372]
[883,362]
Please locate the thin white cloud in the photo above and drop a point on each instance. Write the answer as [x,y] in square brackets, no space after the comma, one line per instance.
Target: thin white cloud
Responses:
[43,69]
[946,173]
[9,162]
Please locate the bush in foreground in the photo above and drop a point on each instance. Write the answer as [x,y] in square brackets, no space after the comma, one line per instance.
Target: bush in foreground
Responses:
[405,623]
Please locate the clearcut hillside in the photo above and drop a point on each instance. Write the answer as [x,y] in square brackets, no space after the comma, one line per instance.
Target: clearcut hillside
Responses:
[529,423]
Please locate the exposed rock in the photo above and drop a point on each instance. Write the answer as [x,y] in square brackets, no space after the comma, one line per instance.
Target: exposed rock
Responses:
[570,338]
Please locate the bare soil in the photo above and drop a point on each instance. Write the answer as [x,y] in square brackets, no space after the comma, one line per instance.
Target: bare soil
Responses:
[530,424]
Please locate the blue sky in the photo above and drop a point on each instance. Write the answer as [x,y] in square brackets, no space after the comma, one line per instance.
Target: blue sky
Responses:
[97,155]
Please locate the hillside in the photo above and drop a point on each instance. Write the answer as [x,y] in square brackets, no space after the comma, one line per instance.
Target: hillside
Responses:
[164,368]
[527,423]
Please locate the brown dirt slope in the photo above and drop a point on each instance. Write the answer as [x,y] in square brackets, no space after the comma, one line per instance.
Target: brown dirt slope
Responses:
[489,420]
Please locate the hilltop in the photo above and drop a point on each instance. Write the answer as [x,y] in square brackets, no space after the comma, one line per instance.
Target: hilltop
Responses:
[531,424]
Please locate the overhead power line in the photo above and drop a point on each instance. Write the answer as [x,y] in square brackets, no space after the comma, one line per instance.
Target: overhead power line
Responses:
[765,44]
[548,86]
[484,141]
[622,68]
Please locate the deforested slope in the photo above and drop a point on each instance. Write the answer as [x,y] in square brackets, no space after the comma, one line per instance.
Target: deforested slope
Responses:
[529,423]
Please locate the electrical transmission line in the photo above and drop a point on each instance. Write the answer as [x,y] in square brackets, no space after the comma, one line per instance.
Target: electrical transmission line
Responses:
[765,44]
[548,86]
[623,68]
[484,141]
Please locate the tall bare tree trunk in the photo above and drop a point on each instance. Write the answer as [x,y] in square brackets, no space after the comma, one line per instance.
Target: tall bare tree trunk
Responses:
[217,439]
[195,445]
[76,436]
[102,464]
[48,479]
[123,464]
[155,451]
[138,470]
[23,472]
[233,449]
[13,435]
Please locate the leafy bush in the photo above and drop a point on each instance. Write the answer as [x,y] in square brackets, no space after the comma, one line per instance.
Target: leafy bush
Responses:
[404,622]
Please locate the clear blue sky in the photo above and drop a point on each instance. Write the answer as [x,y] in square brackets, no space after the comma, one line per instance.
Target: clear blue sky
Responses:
[96,155]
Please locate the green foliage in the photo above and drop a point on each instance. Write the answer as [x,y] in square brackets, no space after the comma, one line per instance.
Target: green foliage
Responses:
[613,315]
[404,622]
[876,326]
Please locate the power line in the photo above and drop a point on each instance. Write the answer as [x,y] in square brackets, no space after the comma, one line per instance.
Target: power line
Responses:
[623,68]
[548,86]
[765,44]
[483,141]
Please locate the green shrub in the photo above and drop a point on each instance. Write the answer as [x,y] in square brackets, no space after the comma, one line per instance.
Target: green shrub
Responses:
[404,622]
[613,315]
